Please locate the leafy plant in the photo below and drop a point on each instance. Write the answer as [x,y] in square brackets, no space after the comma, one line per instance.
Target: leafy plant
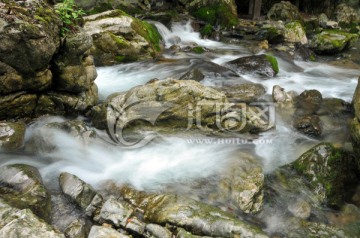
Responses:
[70,15]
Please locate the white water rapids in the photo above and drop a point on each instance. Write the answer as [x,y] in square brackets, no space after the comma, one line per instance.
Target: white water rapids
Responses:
[170,160]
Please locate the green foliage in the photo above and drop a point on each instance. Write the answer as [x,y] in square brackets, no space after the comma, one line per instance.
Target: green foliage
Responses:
[206,30]
[70,15]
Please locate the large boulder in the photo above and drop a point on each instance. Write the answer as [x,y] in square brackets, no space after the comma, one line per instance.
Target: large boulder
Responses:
[176,104]
[11,135]
[218,12]
[119,38]
[331,173]
[16,223]
[262,65]
[332,41]
[284,11]
[29,36]
[21,186]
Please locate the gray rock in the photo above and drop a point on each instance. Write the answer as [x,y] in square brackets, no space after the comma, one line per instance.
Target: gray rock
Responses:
[115,212]
[295,33]
[80,193]
[194,74]
[309,101]
[281,97]
[262,65]
[156,231]
[135,226]
[16,223]
[22,187]
[17,105]
[105,232]
[11,135]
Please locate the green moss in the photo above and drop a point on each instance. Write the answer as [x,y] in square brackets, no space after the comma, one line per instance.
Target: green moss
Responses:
[148,31]
[216,14]
[198,50]
[101,7]
[119,40]
[273,62]
[312,58]
[206,30]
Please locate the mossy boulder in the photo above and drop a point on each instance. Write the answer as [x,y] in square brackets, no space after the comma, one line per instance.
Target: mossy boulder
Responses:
[21,186]
[16,223]
[11,135]
[284,11]
[331,173]
[120,38]
[295,33]
[332,41]
[17,105]
[262,65]
[219,12]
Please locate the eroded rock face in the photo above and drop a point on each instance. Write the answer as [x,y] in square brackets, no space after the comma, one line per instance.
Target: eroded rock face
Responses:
[11,135]
[105,232]
[21,186]
[247,92]
[16,223]
[119,38]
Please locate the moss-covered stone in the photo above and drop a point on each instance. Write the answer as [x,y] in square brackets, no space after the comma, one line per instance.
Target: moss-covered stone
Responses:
[22,187]
[330,172]
[273,62]
[11,135]
[332,41]
[215,13]
[198,50]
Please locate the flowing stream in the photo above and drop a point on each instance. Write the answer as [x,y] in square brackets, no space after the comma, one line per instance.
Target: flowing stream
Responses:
[172,160]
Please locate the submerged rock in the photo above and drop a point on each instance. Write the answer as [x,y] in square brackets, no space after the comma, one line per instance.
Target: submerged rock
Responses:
[194,74]
[81,193]
[263,65]
[332,41]
[16,223]
[22,187]
[11,135]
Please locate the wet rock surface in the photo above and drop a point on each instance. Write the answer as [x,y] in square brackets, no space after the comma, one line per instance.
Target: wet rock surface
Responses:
[11,135]
[22,186]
